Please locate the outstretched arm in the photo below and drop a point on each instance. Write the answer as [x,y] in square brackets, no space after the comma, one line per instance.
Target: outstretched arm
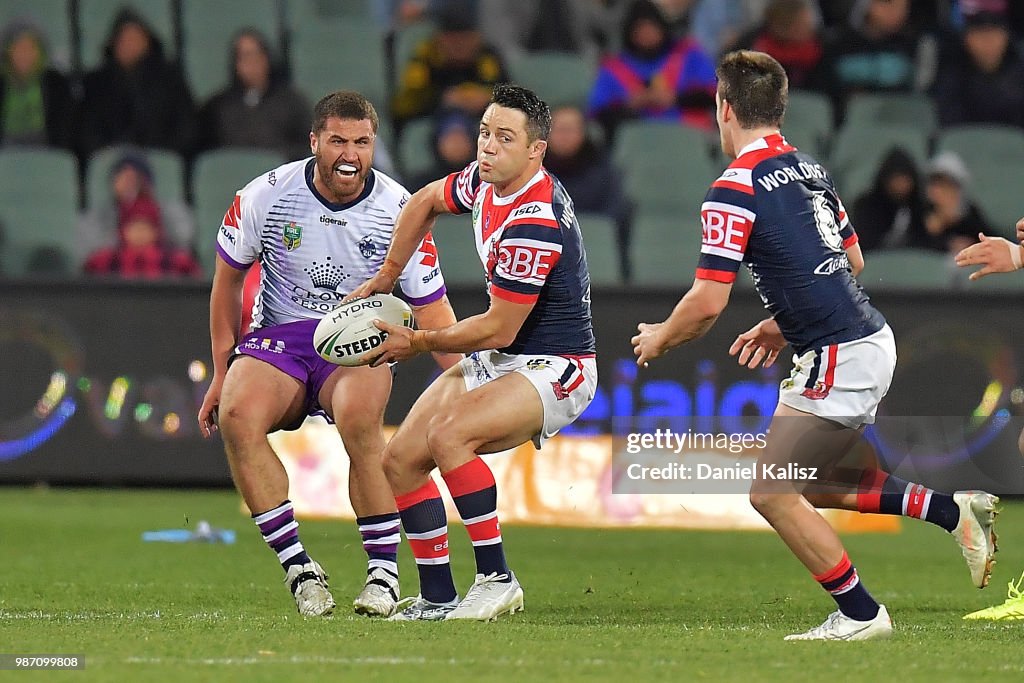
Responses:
[692,317]
[994,254]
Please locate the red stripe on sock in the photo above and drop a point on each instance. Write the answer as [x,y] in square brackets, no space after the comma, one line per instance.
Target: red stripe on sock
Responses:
[915,502]
[835,572]
[429,549]
[484,531]
[425,492]
[869,492]
[474,476]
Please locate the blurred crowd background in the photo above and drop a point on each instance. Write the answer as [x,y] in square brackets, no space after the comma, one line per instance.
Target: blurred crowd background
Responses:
[126,127]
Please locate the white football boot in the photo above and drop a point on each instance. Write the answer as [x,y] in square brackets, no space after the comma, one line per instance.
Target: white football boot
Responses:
[379,596]
[838,626]
[418,609]
[308,584]
[976,533]
[490,597]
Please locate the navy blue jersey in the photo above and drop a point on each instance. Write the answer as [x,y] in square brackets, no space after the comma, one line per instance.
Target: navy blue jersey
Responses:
[532,251]
[776,209]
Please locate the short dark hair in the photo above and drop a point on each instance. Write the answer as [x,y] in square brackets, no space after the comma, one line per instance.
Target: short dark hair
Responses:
[755,86]
[344,104]
[538,114]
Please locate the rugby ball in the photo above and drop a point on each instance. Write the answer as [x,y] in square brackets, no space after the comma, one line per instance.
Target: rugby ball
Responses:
[347,334]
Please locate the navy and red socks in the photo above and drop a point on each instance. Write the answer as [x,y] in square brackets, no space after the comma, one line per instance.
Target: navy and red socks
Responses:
[885,494]
[843,584]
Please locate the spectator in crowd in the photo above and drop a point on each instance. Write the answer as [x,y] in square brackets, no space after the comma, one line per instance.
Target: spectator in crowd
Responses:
[131,183]
[454,146]
[952,221]
[718,24]
[259,108]
[654,77]
[587,174]
[880,51]
[789,33]
[35,99]
[891,213]
[141,251]
[454,68]
[135,96]
[985,81]
[517,27]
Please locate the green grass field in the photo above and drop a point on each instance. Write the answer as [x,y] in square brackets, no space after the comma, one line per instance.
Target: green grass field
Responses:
[600,605]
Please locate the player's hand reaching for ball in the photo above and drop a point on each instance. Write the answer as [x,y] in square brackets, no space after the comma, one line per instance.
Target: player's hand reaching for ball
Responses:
[759,345]
[994,254]
[402,344]
[208,411]
[648,344]
[381,283]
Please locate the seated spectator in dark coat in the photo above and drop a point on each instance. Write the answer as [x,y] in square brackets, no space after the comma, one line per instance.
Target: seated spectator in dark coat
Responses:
[141,251]
[789,33]
[35,99]
[952,221]
[654,77]
[452,69]
[135,96]
[453,144]
[984,83]
[891,213]
[881,51]
[259,108]
[587,174]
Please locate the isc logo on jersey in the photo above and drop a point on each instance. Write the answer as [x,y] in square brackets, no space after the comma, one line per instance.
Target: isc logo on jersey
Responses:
[526,260]
[726,229]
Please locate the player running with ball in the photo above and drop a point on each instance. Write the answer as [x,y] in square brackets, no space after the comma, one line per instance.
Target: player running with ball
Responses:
[531,370]
[777,210]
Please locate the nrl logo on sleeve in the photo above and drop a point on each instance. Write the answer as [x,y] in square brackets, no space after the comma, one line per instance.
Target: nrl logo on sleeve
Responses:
[292,236]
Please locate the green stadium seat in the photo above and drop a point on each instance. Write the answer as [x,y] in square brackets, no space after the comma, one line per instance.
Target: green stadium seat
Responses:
[667,167]
[891,109]
[907,269]
[858,152]
[995,157]
[456,250]
[96,18]
[808,123]
[321,63]
[38,206]
[557,77]
[664,250]
[207,30]
[312,11]
[216,177]
[416,153]
[600,239]
[53,16]
[168,174]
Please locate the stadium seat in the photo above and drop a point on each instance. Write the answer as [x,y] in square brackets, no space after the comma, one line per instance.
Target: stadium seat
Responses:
[207,30]
[600,239]
[38,206]
[456,250]
[323,63]
[667,167]
[216,177]
[53,16]
[168,174]
[891,109]
[907,269]
[557,77]
[664,250]
[406,42]
[858,152]
[416,150]
[995,157]
[299,11]
[808,123]
[96,18]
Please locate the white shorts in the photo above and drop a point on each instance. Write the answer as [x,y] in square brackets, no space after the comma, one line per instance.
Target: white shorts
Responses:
[566,384]
[843,382]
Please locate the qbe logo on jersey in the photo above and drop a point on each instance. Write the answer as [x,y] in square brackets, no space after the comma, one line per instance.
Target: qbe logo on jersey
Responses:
[726,229]
[524,260]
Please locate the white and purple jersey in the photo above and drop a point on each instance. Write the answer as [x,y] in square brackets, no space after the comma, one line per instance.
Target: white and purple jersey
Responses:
[776,210]
[314,252]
